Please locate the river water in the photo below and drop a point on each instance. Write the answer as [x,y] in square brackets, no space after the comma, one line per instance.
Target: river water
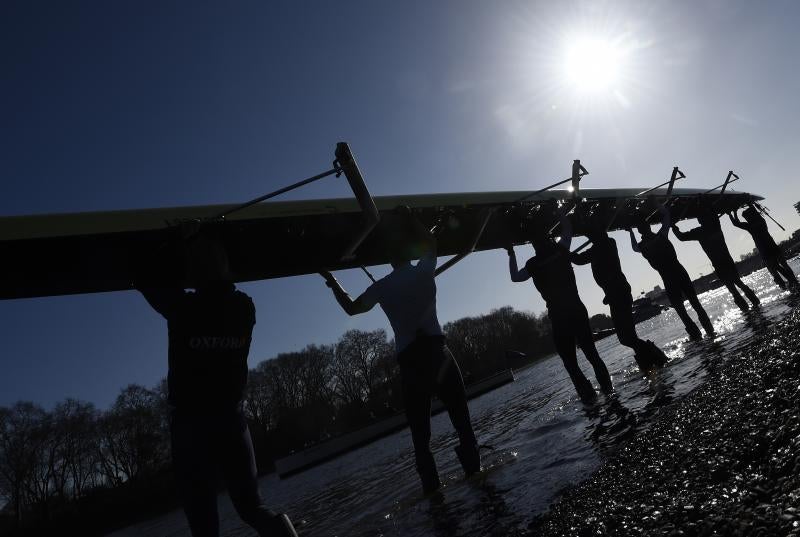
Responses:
[540,439]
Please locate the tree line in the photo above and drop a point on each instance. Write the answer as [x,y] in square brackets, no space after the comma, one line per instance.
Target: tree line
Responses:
[76,463]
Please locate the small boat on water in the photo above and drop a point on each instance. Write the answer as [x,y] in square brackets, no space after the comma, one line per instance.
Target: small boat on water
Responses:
[329,449]
[597,335]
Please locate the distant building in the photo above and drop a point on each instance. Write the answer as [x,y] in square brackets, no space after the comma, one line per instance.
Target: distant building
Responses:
[657,295]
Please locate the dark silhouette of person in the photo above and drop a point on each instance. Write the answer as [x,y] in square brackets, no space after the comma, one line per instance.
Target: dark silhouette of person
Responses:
[209,340]
[407,296]
[603,257]
[552,274]
[770,252]
[712,240]
[660,253]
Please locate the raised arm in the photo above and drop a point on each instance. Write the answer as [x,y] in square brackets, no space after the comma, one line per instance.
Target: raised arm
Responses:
[634,244]
[157,279]
[566,229]
[164,300]
[666,220]
[362,304]
[738,223]
[691,235]
[516,274]
[582,258]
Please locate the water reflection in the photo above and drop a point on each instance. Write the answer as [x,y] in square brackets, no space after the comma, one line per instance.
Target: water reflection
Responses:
[609,423]
[446,521]
[483,512]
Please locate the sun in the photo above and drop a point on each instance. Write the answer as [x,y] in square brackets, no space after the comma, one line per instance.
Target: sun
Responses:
[592,65]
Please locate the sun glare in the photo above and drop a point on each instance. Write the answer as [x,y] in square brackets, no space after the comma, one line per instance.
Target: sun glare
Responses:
[592,65]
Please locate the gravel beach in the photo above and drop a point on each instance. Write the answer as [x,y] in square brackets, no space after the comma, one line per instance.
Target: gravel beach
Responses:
[723,461]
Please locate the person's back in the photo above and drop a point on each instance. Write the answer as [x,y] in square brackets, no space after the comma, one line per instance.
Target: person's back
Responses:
[209,341]
[552,274]
[407,295]
[770,252]
[760,232]
[660,253]
[603,258]
[712,241]
[606,267]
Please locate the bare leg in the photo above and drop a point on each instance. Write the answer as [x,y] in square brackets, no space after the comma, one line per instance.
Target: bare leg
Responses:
[749,293]
[193,460]
[565,345]
[646,353]
[772,267]
[415,370]
[239,469]
[583,333]
[675,297]
[450,389]
[691,295]
[787,272]
[740,302]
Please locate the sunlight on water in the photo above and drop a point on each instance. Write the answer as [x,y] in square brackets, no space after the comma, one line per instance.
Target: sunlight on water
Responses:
[727,321]
[543,439]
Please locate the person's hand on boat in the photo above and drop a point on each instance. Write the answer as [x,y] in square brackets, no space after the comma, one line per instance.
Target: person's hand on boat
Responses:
[328,277]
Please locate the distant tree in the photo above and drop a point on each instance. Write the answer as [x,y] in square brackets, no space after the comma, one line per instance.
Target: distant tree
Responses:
[21,451]
[480,343]
[601,321]
[75,458]
[291,397]
[317,376]
[132,441]
[359,355]
[262,401]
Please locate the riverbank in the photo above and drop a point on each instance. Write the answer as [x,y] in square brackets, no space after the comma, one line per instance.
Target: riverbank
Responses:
[723,461]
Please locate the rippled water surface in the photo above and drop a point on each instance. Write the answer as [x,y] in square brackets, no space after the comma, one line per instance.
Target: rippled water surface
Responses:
[542,438]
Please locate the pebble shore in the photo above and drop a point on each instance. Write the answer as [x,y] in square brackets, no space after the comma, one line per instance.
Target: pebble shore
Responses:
[724,461]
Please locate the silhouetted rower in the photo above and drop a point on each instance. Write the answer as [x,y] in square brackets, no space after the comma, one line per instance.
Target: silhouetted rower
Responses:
[209,341]
[712,240]
[604,259]
[427,367]
[660,253]
[552,274]
[770,252]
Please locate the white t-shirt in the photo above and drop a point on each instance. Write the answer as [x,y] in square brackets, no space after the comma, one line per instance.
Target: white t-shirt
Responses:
[408,298]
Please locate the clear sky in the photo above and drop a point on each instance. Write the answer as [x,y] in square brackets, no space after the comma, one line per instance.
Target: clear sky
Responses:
[114,105]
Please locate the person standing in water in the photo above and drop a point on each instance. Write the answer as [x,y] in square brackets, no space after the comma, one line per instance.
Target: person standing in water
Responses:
[209,340]
[712,240]
[427,367]
[660,253]
[607,271]
[552,274]
[770,252]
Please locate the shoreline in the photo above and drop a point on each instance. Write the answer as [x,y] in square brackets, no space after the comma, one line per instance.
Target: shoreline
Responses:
[723,461]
